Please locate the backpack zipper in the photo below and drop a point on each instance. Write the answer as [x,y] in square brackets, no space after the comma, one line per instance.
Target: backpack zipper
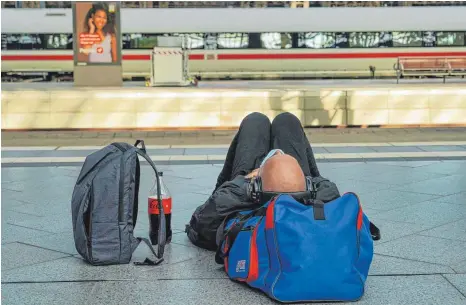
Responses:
[89,237]
[121,183]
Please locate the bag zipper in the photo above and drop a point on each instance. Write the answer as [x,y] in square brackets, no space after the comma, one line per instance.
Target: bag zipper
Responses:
[121,183]
[89,236]
[272,203]
[279,264]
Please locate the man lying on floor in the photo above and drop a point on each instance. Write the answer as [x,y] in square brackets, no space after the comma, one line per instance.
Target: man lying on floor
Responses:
[278,155]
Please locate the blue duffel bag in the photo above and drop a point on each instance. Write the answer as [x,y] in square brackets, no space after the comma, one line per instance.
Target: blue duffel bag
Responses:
[297,252]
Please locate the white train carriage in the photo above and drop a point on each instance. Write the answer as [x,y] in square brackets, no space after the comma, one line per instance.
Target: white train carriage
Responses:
[238,43]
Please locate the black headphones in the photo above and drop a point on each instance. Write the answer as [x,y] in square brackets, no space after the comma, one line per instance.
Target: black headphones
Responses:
[256,195]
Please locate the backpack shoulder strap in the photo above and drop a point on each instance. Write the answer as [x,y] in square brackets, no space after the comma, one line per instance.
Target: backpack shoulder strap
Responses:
[162,226]
[143,146]
[147,261]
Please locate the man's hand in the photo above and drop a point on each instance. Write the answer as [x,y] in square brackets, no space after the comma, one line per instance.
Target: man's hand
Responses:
[253,174]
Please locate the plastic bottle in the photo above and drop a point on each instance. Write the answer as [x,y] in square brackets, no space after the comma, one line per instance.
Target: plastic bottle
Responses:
[153,211]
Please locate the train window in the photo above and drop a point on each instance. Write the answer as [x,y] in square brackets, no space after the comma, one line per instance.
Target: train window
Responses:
[428,39]
[316,40]
[148,41]
[29,4]
[232,40]
[276,3]
[407,39]
[364,39]
[130,4]
[341,40]
[141,41]
[139,4]
[58,41]
[389,3]
[446,39]
[195,40]
[210,41]
[126,41]
[385,40]
[275,40]
[22,41]
[8,4]
[4,36]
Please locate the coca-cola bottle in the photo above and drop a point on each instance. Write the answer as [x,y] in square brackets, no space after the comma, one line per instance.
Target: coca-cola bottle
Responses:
[153,211]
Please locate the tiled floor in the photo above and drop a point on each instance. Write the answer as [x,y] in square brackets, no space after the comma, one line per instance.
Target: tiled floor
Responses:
[420,206]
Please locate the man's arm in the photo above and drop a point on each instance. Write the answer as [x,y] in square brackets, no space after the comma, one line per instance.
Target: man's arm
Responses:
[253,174]
[230,197]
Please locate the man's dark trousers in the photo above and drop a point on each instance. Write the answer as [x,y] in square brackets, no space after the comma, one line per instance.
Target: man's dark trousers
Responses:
[256,137]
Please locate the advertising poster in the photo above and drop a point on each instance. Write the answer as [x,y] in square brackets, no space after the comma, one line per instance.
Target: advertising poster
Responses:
[97,33]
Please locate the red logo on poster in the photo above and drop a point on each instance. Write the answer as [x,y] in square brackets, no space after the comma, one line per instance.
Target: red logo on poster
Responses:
[100,50]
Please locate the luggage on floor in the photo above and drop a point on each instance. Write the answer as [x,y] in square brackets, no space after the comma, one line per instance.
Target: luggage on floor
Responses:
[203,227]
[104,206]
[297,252]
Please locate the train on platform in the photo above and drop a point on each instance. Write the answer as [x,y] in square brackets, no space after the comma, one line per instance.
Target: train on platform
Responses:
[245,43]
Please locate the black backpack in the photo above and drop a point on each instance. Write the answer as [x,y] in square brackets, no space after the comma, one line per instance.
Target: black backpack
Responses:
[104,206]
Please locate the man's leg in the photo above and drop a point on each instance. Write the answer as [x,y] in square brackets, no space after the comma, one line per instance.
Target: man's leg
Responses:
[248,148]
[288,135]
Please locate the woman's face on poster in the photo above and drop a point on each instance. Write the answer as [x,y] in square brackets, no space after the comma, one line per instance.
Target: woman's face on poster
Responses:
[100,19]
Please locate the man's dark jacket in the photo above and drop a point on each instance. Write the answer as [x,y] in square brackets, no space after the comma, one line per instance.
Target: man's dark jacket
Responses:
[230,197]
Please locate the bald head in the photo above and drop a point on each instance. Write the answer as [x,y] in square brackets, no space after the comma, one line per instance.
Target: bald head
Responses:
[282,174]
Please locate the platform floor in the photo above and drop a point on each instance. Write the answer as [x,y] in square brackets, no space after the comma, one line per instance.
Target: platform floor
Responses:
[419,205]
[69,148]
[268,84]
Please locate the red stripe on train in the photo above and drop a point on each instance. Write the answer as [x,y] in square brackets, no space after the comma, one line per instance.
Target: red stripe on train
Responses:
[263,56]
[37,57]
[336,55]
[70,57]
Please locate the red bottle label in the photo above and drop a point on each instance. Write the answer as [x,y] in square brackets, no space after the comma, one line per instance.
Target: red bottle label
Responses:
[153,207]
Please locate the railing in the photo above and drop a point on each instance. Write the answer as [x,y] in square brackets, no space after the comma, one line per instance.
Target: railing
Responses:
[430,66]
